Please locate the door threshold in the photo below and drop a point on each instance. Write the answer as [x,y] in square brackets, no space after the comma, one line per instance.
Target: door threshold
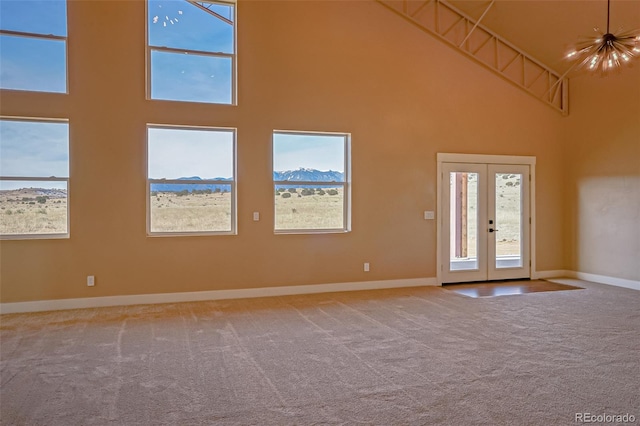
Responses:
[506,288]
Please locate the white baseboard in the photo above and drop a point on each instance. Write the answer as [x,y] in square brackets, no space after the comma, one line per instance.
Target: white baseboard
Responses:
[601,279]
[145,299]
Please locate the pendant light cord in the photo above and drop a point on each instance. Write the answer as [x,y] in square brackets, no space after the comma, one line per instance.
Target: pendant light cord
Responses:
[608,9]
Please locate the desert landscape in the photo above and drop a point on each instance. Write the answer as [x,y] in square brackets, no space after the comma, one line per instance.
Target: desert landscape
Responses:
[309,207]
[33,211]
[44,211]
[507,220]
[305,207]
[185,211]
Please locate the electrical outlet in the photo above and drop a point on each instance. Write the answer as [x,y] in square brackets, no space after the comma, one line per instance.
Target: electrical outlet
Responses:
[429,215]
[91,280]
[256,216]
[366,266]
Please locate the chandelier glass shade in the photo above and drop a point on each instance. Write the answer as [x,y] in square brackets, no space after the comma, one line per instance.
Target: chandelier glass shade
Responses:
[605,52]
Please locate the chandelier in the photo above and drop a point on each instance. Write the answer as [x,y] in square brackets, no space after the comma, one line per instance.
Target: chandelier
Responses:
[605,52]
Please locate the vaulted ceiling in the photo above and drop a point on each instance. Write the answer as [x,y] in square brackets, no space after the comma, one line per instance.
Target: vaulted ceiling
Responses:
[546,29]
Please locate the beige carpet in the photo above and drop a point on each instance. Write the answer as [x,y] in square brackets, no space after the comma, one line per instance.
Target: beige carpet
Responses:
[420,356]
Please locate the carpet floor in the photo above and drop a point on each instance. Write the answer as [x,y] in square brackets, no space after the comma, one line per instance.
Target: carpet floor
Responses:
[413,356]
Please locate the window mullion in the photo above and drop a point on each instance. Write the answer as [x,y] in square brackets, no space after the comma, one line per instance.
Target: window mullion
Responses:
[37,179]
[190,51]
[33,35]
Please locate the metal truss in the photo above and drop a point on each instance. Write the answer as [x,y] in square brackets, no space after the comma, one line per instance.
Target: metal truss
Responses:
[206,6]
[439,18]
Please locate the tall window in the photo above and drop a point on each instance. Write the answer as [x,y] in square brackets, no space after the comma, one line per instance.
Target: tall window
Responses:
[34,181]
[191,51]
[191,180]
[311,182]
[33,45]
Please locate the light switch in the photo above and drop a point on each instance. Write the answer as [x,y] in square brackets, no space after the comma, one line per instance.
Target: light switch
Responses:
[429,215]
[256,216]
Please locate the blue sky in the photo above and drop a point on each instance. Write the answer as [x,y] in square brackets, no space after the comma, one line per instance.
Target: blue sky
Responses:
[34,149]
[40,64]
[34,16]
[292,151]
[30,63]
[198,78]
[176,153]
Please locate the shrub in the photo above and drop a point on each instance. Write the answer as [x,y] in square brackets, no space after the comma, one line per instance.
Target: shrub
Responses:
[32,202]
[306,191]
[293,190]
[154,193]
[41,199]
[286,195]
[182,193]
[41,211]
[332,192]
[9,212]
[320,192]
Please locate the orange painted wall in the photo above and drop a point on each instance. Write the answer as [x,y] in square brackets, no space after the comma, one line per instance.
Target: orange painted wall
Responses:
[603,175]
[349,66]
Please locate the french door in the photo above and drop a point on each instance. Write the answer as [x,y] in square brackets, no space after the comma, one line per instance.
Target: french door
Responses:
[485,222]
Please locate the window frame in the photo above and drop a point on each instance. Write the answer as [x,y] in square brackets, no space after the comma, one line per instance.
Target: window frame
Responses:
[52,236]
[51,37]
[233,183]
[346,184]
[233,56]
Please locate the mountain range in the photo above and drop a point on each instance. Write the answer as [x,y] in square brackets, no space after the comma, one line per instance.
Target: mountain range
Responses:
[308,175]
[299,175]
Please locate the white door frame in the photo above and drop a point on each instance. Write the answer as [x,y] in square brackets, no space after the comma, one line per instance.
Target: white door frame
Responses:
[487,159]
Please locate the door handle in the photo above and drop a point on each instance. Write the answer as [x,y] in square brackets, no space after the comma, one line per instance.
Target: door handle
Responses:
[493,230]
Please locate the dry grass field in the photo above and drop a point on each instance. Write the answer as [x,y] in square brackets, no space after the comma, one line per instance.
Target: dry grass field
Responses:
[41,211]
[33,211]
[507,219]
[171,212]
[321,209]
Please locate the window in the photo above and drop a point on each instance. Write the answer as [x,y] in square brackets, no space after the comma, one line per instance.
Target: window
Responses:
[34,181]
[191,180]
[33,45]
[311,182]
[191,51]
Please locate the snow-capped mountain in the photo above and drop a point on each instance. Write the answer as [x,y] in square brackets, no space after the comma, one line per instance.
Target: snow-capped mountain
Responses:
[308,175]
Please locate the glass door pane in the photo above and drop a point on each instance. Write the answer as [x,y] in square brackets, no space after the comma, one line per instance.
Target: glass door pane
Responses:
[463,232]
[508,220]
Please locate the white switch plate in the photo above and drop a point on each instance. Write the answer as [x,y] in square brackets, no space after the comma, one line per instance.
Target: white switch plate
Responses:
[429,215]
[256,216]
[366,266]
[91,280]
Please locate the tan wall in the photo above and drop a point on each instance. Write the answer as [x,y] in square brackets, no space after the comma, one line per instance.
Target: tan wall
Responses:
[603,175]
[324,66]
